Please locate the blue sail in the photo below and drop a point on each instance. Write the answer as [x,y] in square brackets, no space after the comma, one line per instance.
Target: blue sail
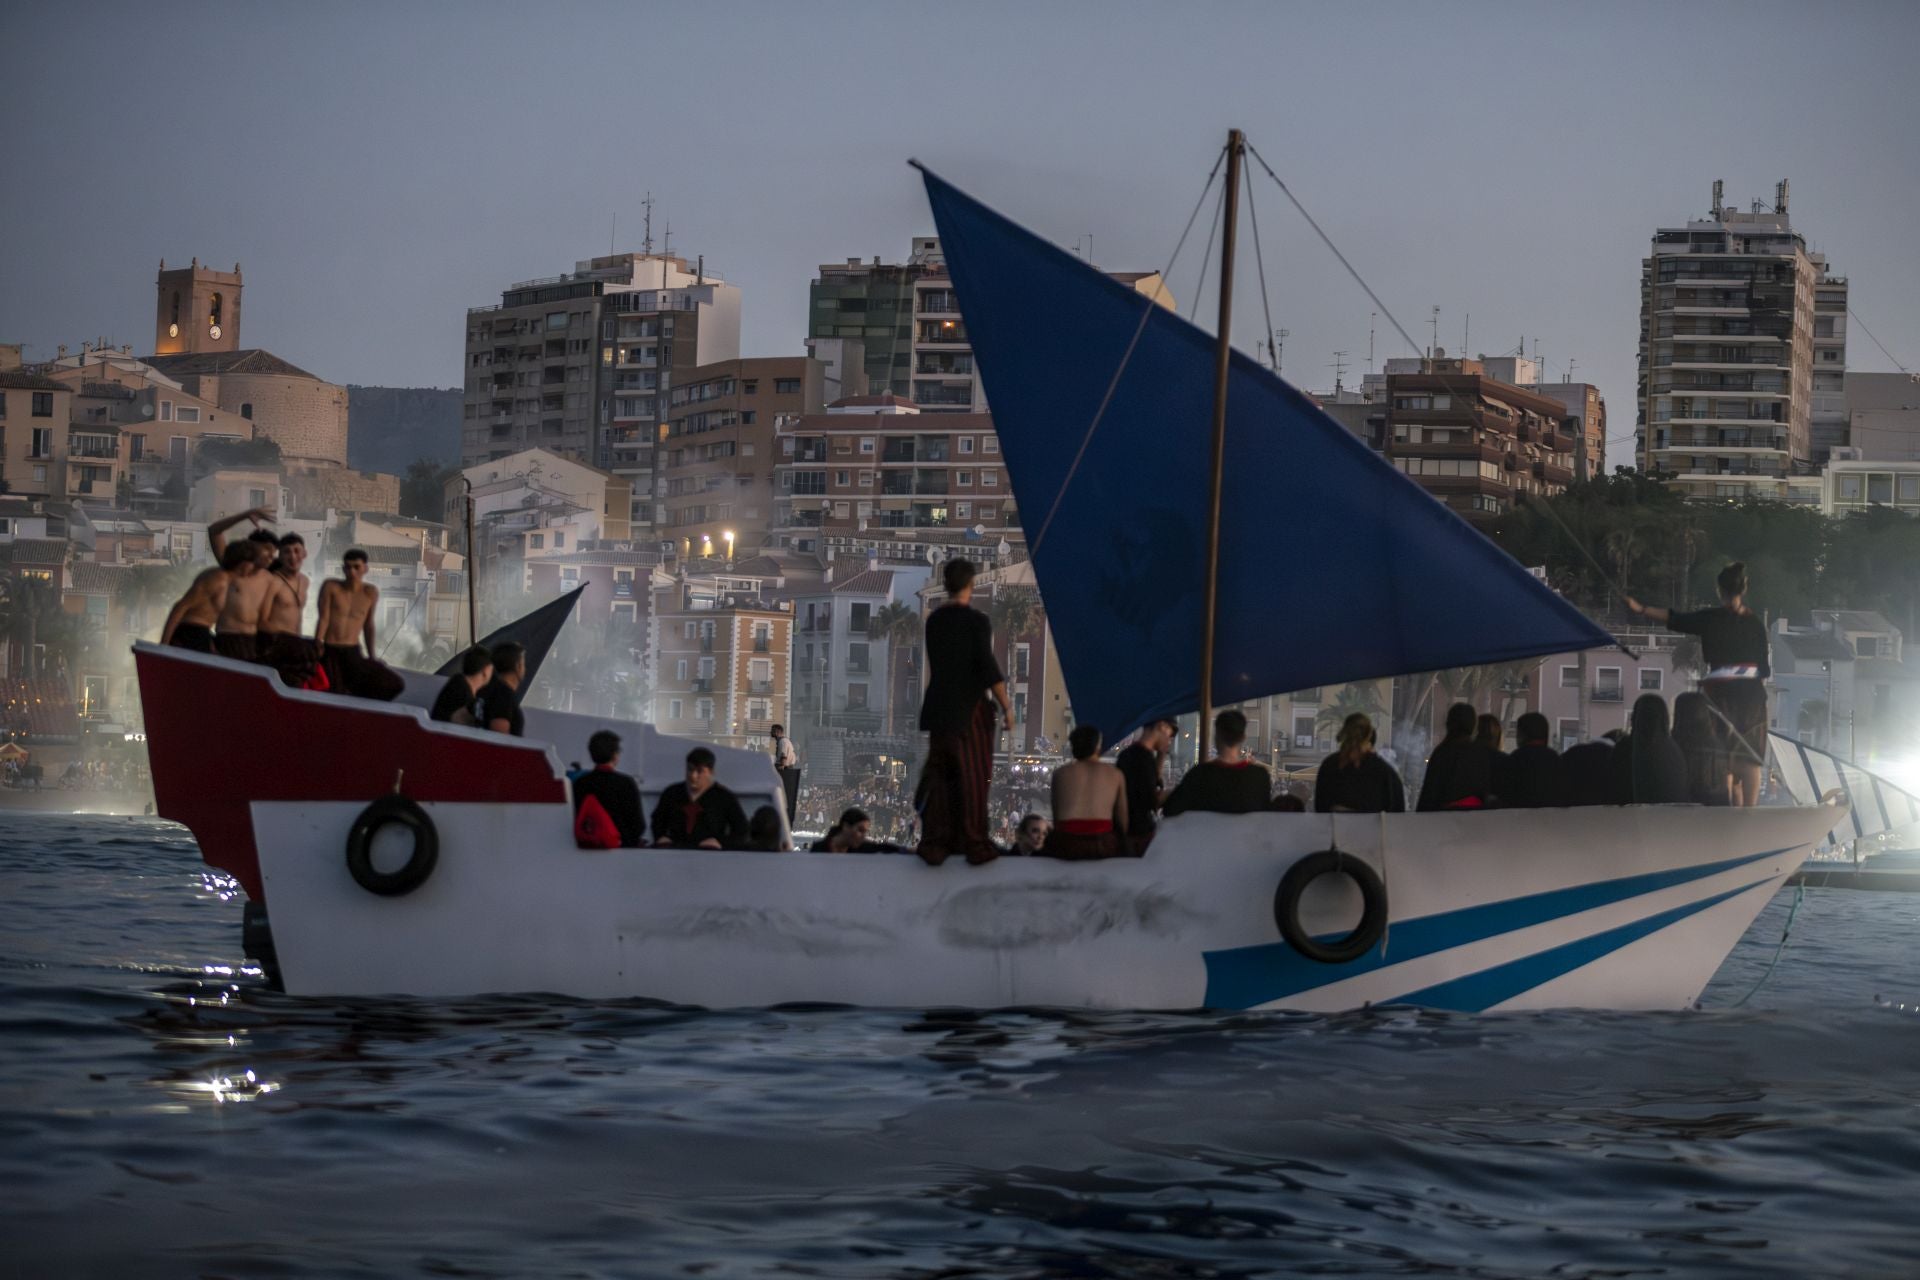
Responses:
[1333,565]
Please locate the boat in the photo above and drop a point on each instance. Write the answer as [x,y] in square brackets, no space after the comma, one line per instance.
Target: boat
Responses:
[1875,849]
[1164,602]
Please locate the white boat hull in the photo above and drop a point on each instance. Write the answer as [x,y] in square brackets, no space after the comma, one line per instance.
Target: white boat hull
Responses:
[1500,910]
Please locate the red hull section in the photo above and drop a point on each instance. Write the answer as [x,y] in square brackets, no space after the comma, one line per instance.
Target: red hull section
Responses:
[221,735]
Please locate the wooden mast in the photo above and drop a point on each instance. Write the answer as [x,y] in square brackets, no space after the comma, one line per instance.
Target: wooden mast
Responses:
[1223,351]
[473,597]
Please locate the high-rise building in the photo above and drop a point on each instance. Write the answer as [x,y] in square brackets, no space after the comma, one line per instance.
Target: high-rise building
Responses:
[1736,319]
[582,364]
[714,471]
[905,318]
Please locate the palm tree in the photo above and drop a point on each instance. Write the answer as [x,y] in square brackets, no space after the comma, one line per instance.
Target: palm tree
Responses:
[898,623]
[1362,698]
[1015,612]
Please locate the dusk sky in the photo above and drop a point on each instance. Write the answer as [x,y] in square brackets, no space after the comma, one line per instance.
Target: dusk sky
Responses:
[378,168]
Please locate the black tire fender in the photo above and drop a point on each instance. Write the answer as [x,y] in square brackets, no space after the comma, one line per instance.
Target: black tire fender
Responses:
[389,809]
[1373,915]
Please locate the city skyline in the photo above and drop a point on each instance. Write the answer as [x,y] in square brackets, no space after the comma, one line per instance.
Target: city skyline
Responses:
[496,150]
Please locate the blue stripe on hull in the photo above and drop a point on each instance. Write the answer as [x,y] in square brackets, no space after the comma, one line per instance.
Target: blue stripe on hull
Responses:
[1243,977]
[1483,990]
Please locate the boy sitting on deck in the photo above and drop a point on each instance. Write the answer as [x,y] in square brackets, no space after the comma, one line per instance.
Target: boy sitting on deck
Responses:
[1228,783]
[699,813]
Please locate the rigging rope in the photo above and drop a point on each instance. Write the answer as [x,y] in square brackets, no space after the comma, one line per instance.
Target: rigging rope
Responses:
[1200,281]
[1146,314]
[1876,342]
[1333,248]
[1266,308]
[1799,894]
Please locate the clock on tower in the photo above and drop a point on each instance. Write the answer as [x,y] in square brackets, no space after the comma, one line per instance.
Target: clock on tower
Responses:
[196,309]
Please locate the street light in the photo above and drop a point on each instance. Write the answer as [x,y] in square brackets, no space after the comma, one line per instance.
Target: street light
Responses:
[728,535]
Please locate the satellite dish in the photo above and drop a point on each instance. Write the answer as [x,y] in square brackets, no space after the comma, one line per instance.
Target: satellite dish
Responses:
[146,410]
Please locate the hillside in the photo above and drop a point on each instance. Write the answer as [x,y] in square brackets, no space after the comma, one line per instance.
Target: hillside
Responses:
[388,427]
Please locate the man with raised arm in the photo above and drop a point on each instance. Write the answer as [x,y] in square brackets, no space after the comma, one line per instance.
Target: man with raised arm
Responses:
[346,618]
[190,621]
[283,646]
[237,628]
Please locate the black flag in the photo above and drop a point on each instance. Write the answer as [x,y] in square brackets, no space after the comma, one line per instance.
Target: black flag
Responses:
[536,630]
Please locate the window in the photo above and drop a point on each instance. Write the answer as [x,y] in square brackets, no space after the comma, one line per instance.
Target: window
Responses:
[41,444]
[536,541]
[1569,733]
[680,669]
[991,444]
[989,513]
[749,386]
[963,510]
[760,670]
[559,539]
[705,670]
[858,617]
[1569,677]
[676,710]
[866,444]
[786,386]
[43,404]
[166,411]
[189,413]
[246,411]
[857,657]
[1650,678]
[703,709]
[256,497]
[1022,662]
[856,697]
[990,479]
[556,319]
[690,631]
[840,478]
[964,479]
[966,444]
[1020,707]
[1867,646]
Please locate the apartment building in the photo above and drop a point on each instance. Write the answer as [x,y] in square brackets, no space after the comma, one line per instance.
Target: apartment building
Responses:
[878,463]
[35,417]
[1584,417]
[851,672]
[721,673]
[1474,442]
[583,364]
[1736,318]
[905,318]
[714,463]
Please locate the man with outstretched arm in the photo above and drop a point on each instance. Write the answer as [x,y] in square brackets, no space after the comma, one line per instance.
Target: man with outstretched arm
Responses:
[237,630]
[346,618]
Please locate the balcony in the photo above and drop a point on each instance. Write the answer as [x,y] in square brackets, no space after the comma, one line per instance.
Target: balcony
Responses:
[760,686]
[703,684]
[762,644]
[1614,694]
[706,644]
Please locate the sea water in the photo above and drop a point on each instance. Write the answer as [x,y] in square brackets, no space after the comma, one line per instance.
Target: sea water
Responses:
[163,1113]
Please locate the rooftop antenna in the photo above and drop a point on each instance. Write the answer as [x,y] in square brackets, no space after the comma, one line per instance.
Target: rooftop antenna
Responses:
[646,237]
[1436,331]
[1571,364]
[1339,366]
[1466,332]
[666,240]
[1277,345]
[1373,318]
[613,236]
[1719,198]
[1089,248]
[1780,196]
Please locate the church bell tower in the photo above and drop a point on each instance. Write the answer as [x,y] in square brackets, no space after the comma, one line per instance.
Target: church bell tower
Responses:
[197,309]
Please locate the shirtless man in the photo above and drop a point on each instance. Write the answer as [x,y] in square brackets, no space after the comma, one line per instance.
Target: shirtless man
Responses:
[282,646]
[346,617]
[190,621]
[1089,803]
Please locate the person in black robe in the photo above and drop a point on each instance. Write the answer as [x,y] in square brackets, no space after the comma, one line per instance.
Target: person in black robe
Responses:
[455,703]
[1659,770]
[1589,773]
[617,792]
[1536,775]
[1460,770]
[1143,764]
[699,813]
[957,777]
[1356,780]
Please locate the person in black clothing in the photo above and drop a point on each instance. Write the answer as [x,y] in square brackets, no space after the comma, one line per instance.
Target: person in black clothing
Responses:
[1354,779]
[763,831]
[851,835]
[498,706]
[1228,783]
[455,703]
[1733,640]
[1536,775]
[617,792]
[1620,789]
[959,722]
[1489,734]
[1460,770]
[1659,770]
[1698,738]
[1143,764]
[699,813]
[1589,773]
